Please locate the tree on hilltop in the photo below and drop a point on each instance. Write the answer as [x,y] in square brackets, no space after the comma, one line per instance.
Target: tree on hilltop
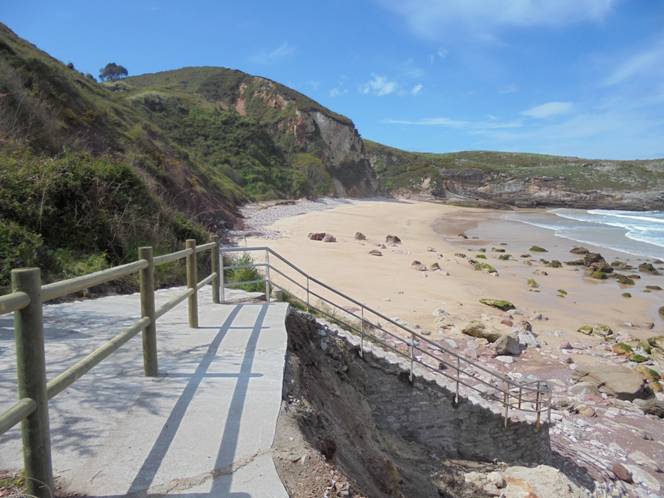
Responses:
[112,72]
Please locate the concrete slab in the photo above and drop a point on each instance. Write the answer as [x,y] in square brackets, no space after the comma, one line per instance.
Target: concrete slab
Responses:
[203,428]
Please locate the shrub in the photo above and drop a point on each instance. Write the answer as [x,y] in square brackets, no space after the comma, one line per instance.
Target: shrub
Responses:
[19,247]
[248,274]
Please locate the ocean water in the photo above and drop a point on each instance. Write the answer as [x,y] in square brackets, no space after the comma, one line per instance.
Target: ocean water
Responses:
[639,233]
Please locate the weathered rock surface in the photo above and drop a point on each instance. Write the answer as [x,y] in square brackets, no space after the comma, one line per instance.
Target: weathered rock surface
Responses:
[479,330]
[507,345]
[614,380]
[392,240]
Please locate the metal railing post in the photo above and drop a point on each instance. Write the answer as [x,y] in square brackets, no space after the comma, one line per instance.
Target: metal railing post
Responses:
[192,281]
[214,258]
[31,376]
[308,294]
[506,402]
[412,356]
[267,275]
[361,330]
[222,277]
[537,407]
[150,365]
[458,380]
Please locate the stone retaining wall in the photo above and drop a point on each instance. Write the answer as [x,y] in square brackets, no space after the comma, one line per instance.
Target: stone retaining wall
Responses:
[422,412]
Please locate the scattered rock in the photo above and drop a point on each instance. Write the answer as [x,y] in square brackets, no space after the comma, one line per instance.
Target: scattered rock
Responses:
[527,339]
[360,236]
[463,236]
[501,304]
[599,329]
[619,381]
[393,240]
[375,252]
[507,321]
[648,268]
[434,267]
[576,262]
[541,482]
[507,345]
[479,330]
[653,287]
[622,473]
[579,250]
[317,236]
[537,249]
[329,238]
[417,265]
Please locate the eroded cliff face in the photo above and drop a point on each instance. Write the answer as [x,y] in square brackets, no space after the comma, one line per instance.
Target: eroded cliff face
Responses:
[480,187]
[504,180]
[301,126]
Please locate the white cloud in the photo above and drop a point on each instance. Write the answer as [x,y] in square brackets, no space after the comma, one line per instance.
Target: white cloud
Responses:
[379,85]
[416,89]
[548,110]
[433,18]
[338,91]
[492,124]
[511,88]
[647,61]
[269,57]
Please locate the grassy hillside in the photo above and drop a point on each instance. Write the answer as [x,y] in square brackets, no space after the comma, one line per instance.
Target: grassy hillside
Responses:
[91,171]
[397,169]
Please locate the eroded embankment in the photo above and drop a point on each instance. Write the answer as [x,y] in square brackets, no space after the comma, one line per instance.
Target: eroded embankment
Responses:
[358,423]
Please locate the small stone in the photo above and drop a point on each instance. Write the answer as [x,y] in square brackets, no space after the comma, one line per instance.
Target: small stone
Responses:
[375,252]
[505,359]
[393,240]
[622,473]
[360,236]
[329,238]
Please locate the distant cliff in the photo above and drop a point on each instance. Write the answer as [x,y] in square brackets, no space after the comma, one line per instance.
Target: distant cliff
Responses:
[500,179]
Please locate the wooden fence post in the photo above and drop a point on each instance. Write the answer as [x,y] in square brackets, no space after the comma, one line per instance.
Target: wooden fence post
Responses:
[150,364]
[31,376]
[216,269]
[192,282]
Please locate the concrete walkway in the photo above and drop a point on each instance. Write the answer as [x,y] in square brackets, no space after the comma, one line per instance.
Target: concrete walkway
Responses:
[204,428]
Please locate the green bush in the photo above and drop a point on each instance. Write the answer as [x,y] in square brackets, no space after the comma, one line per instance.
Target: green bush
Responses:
[244,274]
[19,247]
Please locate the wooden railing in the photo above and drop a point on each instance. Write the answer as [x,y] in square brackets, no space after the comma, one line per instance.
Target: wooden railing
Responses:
[26,300]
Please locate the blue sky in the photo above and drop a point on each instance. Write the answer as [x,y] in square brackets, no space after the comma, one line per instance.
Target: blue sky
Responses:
[571,77]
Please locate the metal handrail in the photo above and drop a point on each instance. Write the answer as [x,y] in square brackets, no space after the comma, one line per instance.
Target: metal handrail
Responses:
[512,394]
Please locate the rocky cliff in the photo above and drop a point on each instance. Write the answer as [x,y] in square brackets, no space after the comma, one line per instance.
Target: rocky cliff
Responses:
[498,179]
[321,144]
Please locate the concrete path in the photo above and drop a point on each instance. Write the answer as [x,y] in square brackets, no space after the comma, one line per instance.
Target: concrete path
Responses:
[204,428]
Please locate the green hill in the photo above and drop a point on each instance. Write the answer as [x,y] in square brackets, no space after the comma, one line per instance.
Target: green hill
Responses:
[90,171]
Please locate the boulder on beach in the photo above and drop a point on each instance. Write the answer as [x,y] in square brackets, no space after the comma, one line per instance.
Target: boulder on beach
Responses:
[651,406]
[501,304]
[479,330]
[392,240]
[375,252]
[597,329]
[360,236]
[542,481]
[434,267]
[507,345]
[316,235]
[417,265]
[329,238]
[648,268]
[537,249]
[579,250]
[615,380]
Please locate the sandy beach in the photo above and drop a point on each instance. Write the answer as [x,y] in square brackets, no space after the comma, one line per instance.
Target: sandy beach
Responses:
[430,233]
